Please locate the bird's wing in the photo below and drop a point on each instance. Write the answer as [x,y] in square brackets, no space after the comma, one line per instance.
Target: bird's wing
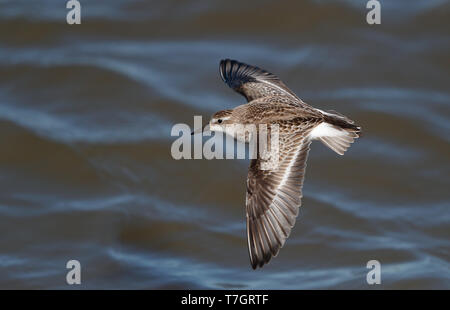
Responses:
[274,197]
[253,82]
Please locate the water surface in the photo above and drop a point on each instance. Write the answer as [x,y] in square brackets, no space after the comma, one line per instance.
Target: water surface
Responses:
[86,172]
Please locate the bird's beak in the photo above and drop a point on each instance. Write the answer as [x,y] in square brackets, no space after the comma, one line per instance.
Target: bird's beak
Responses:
[200,130]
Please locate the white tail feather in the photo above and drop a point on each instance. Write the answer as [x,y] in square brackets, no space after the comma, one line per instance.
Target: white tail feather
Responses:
[336,138]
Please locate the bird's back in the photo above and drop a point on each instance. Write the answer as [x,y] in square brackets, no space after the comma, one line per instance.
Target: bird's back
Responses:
[275,109]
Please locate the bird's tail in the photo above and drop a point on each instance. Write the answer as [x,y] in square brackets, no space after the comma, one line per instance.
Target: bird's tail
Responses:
[336,131]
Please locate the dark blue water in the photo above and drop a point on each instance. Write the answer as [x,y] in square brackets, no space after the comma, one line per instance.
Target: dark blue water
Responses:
[86,172]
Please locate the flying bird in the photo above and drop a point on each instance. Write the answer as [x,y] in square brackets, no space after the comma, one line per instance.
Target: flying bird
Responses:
[274,195]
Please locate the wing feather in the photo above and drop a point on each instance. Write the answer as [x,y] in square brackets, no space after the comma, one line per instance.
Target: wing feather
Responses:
[253,82]
[273,199]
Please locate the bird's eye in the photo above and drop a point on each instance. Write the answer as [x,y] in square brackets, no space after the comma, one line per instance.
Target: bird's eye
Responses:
[219,121]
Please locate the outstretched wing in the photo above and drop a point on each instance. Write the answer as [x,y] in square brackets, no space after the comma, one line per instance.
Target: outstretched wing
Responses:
[274,197]
[253,82]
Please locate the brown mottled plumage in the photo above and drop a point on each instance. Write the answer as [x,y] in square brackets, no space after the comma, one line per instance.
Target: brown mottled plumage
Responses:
[274,196]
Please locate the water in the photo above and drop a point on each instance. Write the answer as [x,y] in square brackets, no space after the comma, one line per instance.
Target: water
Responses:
[85,167]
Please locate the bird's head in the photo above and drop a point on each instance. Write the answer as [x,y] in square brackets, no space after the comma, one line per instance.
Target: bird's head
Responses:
[218,122]
[220,119]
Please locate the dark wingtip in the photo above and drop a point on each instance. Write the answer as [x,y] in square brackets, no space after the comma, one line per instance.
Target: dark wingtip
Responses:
[235,73]
[260,263]
[226,66]
[223,61]
[222,68]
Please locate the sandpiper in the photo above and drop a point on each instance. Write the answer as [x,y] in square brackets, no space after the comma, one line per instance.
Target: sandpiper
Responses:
[274,195]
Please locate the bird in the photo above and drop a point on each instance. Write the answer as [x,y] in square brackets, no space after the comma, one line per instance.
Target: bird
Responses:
[274,194]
